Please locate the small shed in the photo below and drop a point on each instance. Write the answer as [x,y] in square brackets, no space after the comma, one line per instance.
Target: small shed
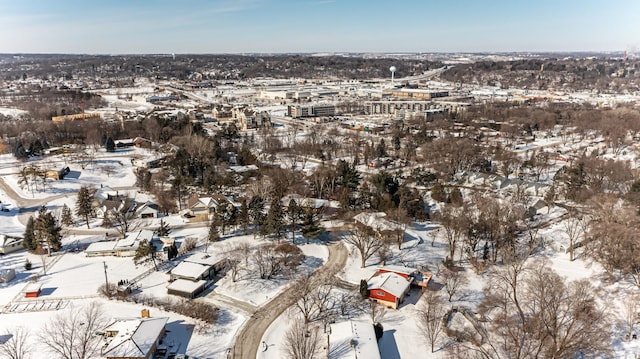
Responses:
[32,290]
[6,275]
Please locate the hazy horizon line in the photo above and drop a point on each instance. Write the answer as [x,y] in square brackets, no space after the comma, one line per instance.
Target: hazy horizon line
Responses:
[327,52]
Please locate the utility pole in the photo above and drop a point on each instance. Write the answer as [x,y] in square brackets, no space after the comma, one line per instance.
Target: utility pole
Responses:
[106,280]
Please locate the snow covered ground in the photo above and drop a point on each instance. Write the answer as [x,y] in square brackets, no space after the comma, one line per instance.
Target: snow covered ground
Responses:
[74,278]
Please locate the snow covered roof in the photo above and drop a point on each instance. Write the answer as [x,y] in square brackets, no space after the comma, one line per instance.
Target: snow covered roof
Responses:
[132,239]
[240,169]
[353,339]
[6,240]
[185,286]
[32,287]
[207,202]
[376,221]
[189,270]
[390,282]
[135,337]
[308,202]
[204,259]
[103,193]
[145,234]
[398,269]
[103,246]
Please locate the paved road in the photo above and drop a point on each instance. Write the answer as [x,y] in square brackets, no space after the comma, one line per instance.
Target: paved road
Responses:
[249,338]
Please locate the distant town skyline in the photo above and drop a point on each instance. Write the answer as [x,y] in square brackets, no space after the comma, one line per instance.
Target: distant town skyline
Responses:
[298,26]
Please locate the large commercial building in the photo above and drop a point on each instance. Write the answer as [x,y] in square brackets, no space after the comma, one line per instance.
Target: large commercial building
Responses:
[79,116]
[421,94]
[318,110]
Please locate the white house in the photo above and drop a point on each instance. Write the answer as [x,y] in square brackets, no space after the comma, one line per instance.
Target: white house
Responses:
[10,244]
[146,210]
[353,339]
[133,337]
[202,206]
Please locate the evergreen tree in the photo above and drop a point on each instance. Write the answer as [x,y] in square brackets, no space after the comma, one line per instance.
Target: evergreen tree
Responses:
[143,178]
[311,227]
[274,222]
[84,208]
[293,214]
[348,176]
[164,229]
[172,251]
[364,288]
[243,216]
[35,149]
[110,145]
[256,210]
[213,235]
[47,230]
[29,238]
[146,252]
[20,152]
[227,215]
[67,218]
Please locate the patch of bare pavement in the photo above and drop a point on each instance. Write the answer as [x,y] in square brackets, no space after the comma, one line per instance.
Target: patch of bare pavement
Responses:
[249,338]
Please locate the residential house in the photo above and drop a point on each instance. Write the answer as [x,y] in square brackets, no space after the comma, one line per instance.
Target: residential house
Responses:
[57,174]
[105,193]
[377,221]
[186,288]
[535,208]
[108,206]
[147,162]
[315,204]
[133,338]
[124,247]
[146,210]
[388,288]
[10,244]
[201,207]
[413,275]
[142,142]
[353,339]
[189,278]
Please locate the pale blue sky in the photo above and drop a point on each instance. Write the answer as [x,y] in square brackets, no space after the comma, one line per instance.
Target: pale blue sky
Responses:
[236,26]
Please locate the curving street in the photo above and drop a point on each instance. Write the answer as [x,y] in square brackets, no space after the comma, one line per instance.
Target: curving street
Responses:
[249,338]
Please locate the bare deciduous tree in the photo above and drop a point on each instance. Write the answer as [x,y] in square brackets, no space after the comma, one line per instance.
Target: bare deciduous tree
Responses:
[453,226]
[17,345]
[71,334]
[535,314]
[301,341]
[453,281]
[377,311]
[629,315]
[430,316]
[364,239]
[574,228]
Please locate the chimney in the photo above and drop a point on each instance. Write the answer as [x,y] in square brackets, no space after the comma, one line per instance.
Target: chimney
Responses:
[145,313]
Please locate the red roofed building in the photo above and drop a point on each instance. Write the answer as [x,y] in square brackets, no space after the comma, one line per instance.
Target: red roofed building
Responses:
[388,289]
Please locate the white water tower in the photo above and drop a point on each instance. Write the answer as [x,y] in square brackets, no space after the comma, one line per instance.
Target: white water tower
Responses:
[393,72]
